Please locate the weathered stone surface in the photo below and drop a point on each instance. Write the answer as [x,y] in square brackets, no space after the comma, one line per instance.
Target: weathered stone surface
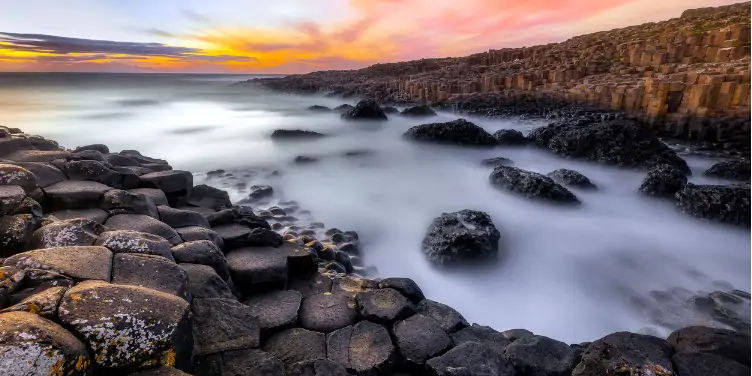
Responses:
[121,160]
[204,282]
[296,345]
[261,237]
[75,262]
[10,145]
[195,233]
[233,235]
[143,223]
[470,359]
[118,201]
[223,325]
[538,355]
[95,147]
[626,352]
[126,326]
[124,241]
[725,204]
[510,137]
[420,338]
[46,174]
[176,184]
[663,181]
[93,171]
[202,252]
[457,132]
[309,285]
[383,305]
[701,364]
[89,155]
[571,178]
[11,174]
[318,367]
[449,319]
[67,233]
[275,310]
[11,197]
[37,155]
[482,334]
[31,345]
[28,206]
[363,349]
[96,215]
[733,170]
[241,215]
[239,362]
[267,266]
[43,303]
[463,236]
[352,285]
[295,134]
[418,111]
[327,312]
[181,218]
[69,194]
[161,371]
[531,185]
[209,197]
[156,195]
[150,271]
[365,110]
[721,342]
[16,232]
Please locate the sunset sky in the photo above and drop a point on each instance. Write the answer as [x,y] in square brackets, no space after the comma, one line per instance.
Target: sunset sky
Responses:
[293,36]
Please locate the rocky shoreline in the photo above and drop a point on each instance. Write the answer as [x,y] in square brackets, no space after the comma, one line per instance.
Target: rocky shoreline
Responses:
[116,264]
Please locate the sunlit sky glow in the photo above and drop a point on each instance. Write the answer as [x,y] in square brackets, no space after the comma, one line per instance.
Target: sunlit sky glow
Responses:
[293,36]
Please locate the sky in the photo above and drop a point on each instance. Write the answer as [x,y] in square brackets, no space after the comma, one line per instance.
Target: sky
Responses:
[292,36]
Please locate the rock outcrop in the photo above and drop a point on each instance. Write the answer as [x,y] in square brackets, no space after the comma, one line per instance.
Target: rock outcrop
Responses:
[463,236]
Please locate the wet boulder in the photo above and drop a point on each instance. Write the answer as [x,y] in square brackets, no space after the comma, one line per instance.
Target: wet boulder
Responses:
[204,282]
[32,345]
[457,132]
[365,110]
[160,371]
[69,194]
[296,345]
[295,134]
[128,326]
[725,343]
[209,197]
[733,170]
[143,223]
[510,137]
[383,305]
[448,318]
[327,312]
[470,359]
[363,349]
[125,241]
[276,309]
[625,352]
[89,155]
[121,160]
[202,252]
[239,215]
[663,181]
[181,218]
[118,201]
[701,364]
[463,236]
[150,271]
[531,185]
[720,203]
[223,325]
[571,178]
[420,338]
[418,111]
[538,355]
[67,233]
[16,232]
[176,184]
[261,237]
[76,262]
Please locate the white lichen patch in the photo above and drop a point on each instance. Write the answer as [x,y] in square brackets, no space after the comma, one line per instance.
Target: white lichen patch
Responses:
[125,243]
[60,235]
[15,176]
[29,358]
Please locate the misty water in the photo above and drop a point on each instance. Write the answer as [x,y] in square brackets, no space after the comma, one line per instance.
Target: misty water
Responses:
[565,273]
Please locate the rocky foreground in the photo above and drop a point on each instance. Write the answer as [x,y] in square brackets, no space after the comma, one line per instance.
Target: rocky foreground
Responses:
[116,264]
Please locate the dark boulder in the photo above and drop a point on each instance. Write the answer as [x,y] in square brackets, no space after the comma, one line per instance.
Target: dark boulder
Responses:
[363,349]
[538,355]
[721,203]
[124,241]
[420,338]
[275,310]
[176,184]
[259,192]
[45,173]
[344,108]
[11,197]
[194,233]
[79,263]
[69,194]
[390,110]
[457,132]
[239,362]
[531,185]
[150,271]
[510,137]
[143,223]
[701,364]
[418,111]
[38,155]
[318,367]
[732,170]
[663,181]
[497,161]
[242,215]
[67,233]
[256,268]
[383,306]
[223,325]
[296,345]
[95,147]
[261,237]
[295,134]
[448,318]
[156,195]
[117,201]
[467,235]
[470,359]
[181,218]
[725,343]
[204,282]
[365,110]
[406,286]
[93,171]
[327,312]
[10,174]
[571,178]
[42,303]
[626,353]
[206,196]
[11,145]
[202,252]
[318,108]
[481,334]
[16,232]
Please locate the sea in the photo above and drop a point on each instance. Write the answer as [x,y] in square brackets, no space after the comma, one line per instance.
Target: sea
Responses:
[573,274]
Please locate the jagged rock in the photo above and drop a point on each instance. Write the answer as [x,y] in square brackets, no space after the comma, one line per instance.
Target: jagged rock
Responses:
[626,352]
[510,137]
[202,252]
[406,286]
[449,319]
[538,355]
[363,349]
[470,359]
[239,362]
[241,215]
[93,171]
[383,305]
[176,184]
[732,170]
[143,223]
[127,326]
[96,147]
[725,204]
[67,233]
[459,132]
[124,241]
[11,197]
[75,262]
[295,134]
[43,303]
[150,271]
[318,367]
[725,343]
[420,338]
[223,325]
[16,232]
[46,174]
[663,181]
[571,178]
[296,345]
[497,161]
[467,235]
[32,345]
[69,194]
[261,237]
[96,215]
[204,282]
[181,218]
[260,191]
[156,195]
[327,312]
[127,202]
[481,334]
[205,196]
[531,185]
[319,108]
[700,364]
[365,110]
[195,233]
[418,111]
[275,310]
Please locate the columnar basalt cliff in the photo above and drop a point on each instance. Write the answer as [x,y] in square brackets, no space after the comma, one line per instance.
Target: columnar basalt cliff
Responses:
[688,76]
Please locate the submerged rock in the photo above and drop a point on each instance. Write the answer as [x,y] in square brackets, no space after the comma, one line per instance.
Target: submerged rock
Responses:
[531,185]
[721,203]
[571,178]
[295,134]
[467,235]
[510,137]
[418,111]
[732,170]
[497,161]
[664,181]
[365,110]
[318,108]
[457,132]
